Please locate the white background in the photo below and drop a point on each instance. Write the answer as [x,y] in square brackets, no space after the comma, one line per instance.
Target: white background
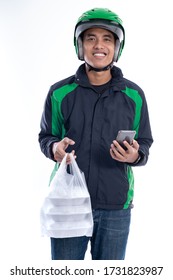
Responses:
[36,50]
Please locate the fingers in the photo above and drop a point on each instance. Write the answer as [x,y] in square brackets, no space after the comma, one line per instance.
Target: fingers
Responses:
[135,145]
[58,155]
[122,155]
[73,153]
[60,147]
[67,141]
[117,152]
[68,161]
[113,155]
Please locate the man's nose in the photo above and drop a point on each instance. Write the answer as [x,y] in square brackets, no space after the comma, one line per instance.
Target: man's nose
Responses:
[99,44]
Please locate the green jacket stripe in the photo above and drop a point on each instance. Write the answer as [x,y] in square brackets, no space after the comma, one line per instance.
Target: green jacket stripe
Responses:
[130,193]
[57,117]
[135,96]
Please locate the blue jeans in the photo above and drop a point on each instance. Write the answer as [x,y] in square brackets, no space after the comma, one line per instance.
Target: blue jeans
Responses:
[108,242]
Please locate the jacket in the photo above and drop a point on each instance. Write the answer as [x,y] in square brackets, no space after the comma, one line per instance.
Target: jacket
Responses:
[74,109]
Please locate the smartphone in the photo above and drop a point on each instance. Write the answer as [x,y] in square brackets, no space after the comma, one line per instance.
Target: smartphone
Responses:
[125,135]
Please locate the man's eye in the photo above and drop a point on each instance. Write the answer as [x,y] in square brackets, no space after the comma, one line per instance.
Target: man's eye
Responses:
[108,39]
[91,38]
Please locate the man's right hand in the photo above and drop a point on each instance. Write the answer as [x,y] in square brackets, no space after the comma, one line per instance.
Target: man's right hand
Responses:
[59,148]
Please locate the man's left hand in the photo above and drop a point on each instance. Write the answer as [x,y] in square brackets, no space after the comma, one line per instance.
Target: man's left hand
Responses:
[129,155]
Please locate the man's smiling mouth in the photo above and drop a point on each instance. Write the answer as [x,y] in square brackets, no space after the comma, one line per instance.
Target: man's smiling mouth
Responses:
[99,54]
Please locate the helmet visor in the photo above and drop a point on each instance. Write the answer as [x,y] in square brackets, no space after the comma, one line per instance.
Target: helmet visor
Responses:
[111,26]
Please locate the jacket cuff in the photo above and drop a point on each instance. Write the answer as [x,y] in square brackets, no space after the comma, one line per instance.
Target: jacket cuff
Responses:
[140,160]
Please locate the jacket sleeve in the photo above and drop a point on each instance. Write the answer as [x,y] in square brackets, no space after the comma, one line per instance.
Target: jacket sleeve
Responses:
[144,136]
[49,121]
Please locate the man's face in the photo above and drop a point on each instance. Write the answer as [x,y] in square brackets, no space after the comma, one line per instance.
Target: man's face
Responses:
[98,47]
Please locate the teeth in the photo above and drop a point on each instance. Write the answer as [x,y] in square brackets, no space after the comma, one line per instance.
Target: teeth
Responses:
[99,54]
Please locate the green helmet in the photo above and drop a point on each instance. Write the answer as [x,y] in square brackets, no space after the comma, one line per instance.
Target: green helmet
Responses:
[102,18]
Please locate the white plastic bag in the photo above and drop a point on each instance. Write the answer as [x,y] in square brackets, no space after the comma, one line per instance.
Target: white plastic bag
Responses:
[66,210]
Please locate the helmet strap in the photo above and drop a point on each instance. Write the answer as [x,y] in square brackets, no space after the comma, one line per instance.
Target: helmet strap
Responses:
[91,68]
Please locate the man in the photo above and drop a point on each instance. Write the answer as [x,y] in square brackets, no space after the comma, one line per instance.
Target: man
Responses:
[83,114]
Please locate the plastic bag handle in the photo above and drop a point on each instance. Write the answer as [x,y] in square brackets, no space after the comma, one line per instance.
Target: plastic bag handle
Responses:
[62,165]
[75,166]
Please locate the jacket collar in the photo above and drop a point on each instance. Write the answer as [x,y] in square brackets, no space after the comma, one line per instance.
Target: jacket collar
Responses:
[117,81]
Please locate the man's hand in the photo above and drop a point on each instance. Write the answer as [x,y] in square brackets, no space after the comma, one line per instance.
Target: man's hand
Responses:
[130,155]
[60,147]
